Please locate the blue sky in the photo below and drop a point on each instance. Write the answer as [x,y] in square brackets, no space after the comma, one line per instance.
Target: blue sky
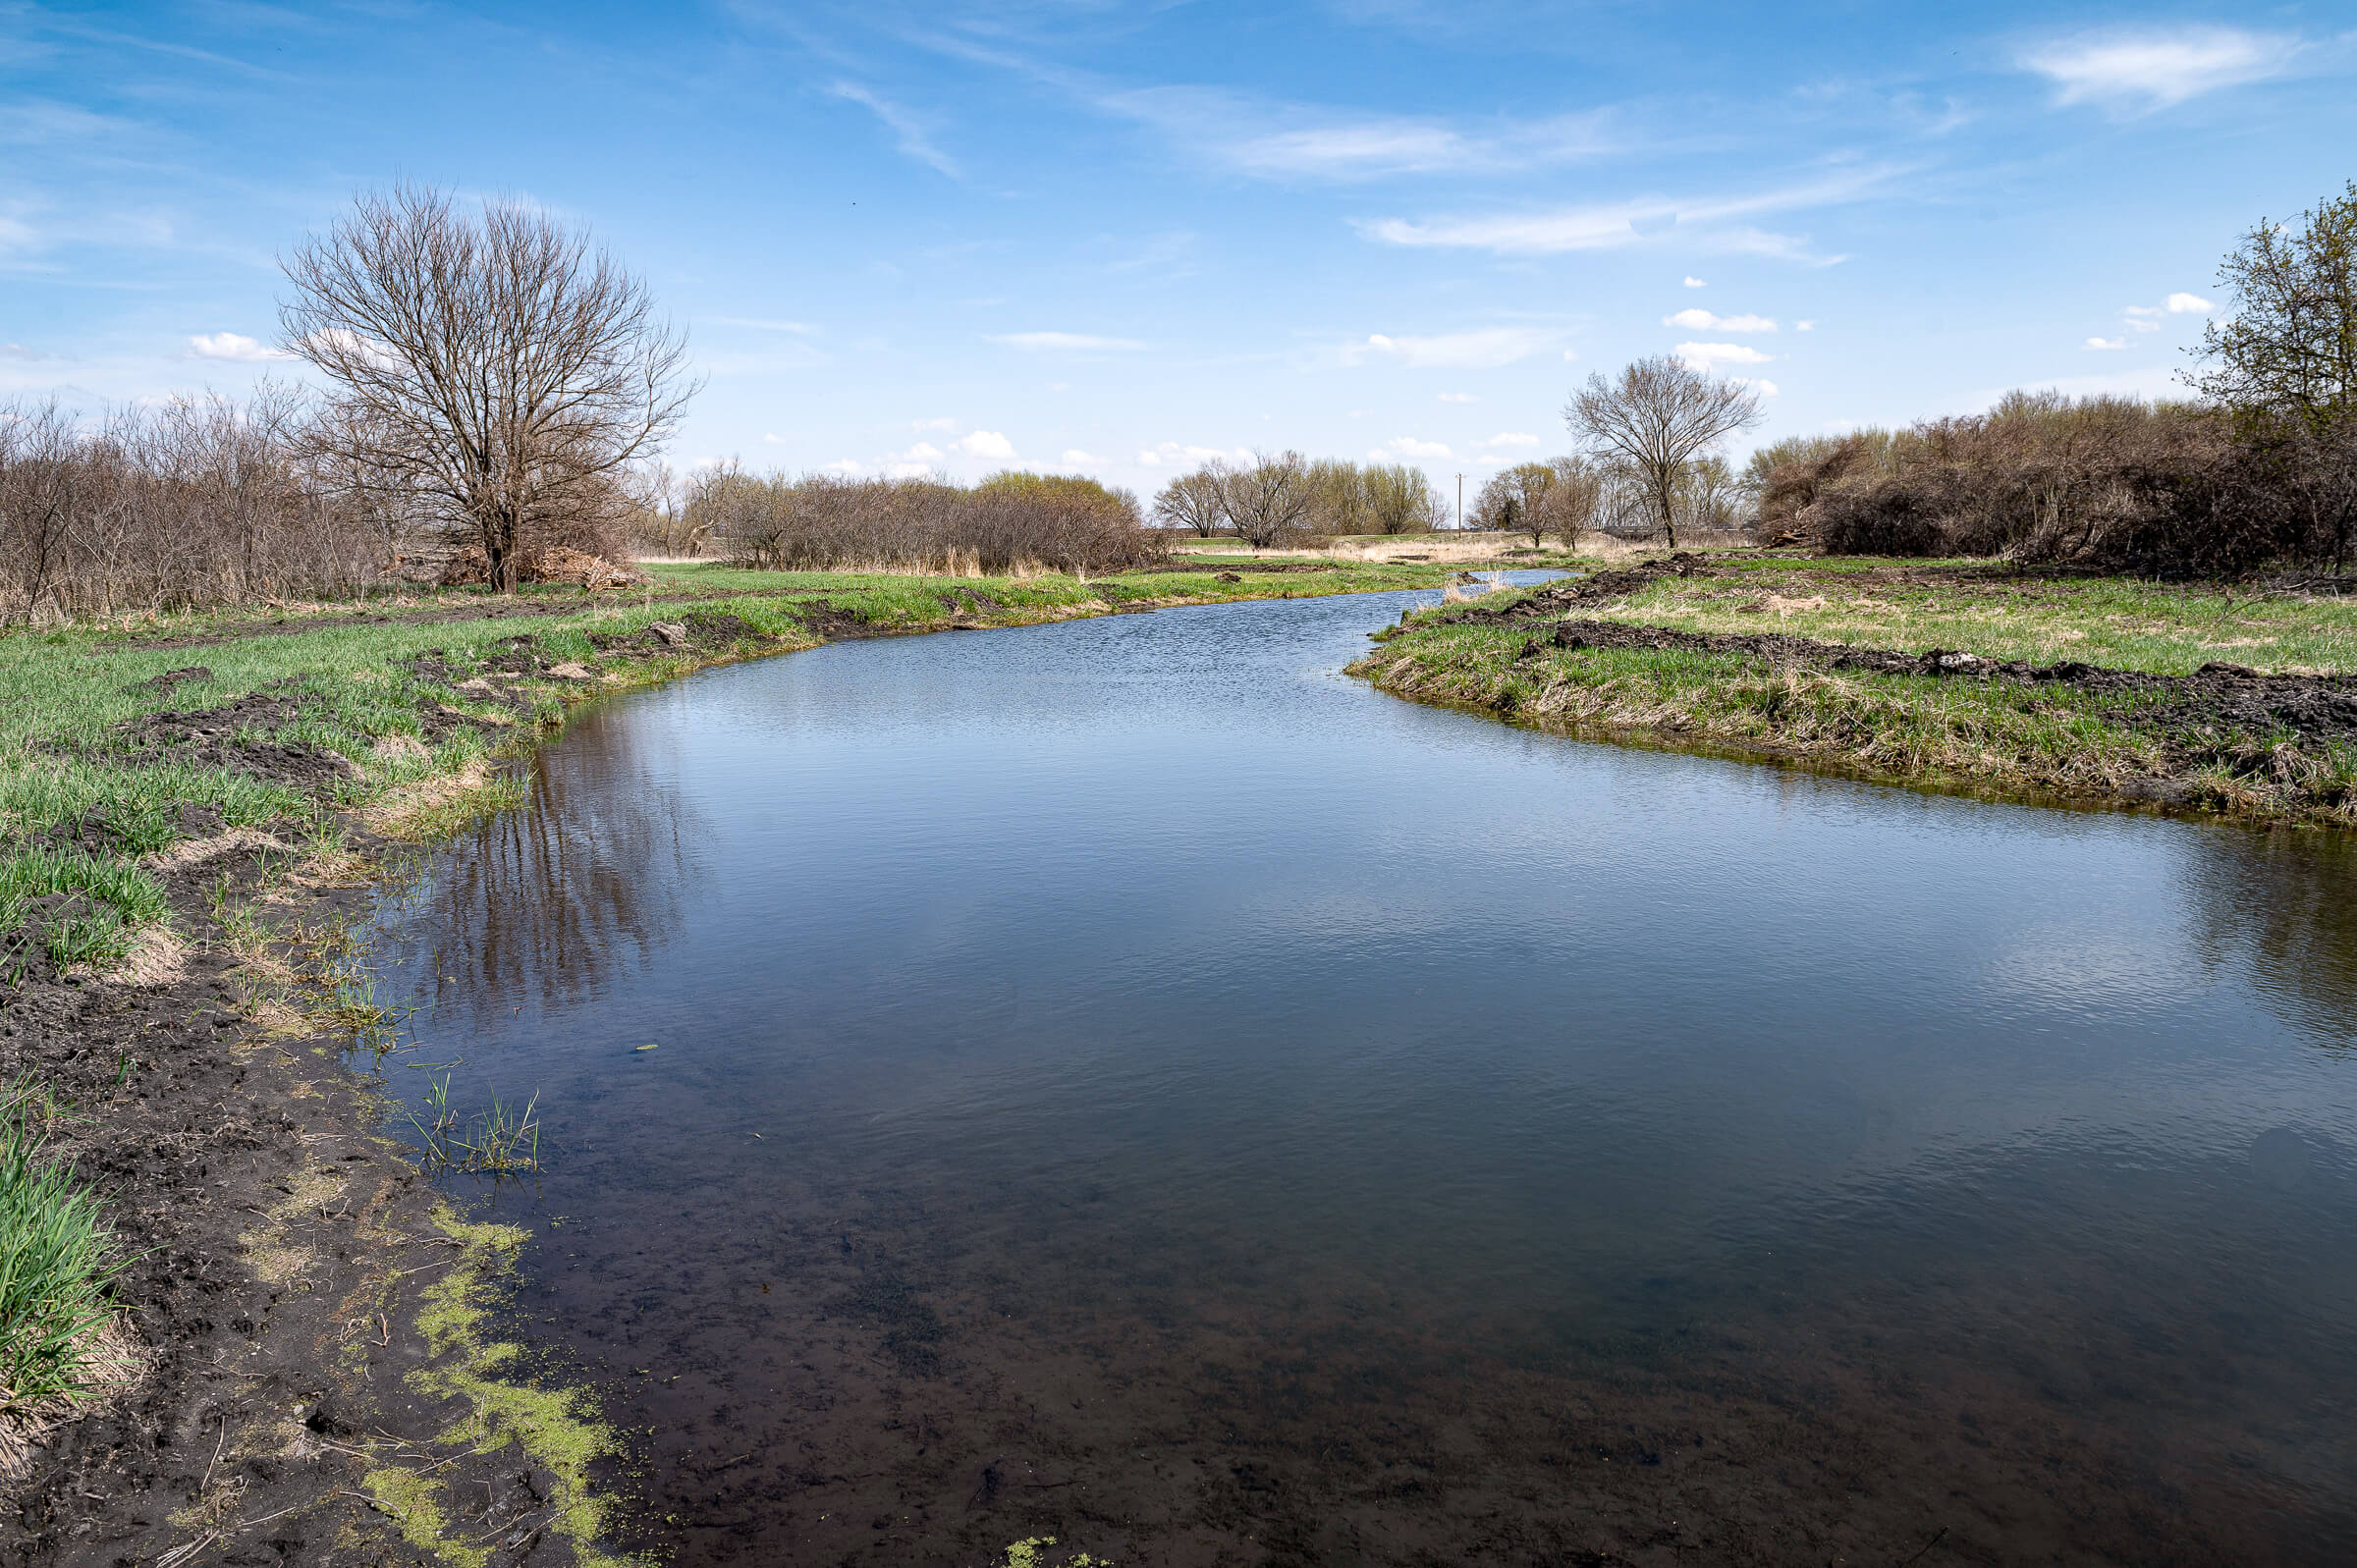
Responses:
[1106,238]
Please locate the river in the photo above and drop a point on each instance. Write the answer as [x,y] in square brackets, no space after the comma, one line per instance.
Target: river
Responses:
[1128,1081]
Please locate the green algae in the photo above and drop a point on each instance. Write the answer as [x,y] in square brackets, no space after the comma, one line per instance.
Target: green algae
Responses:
[558,1429]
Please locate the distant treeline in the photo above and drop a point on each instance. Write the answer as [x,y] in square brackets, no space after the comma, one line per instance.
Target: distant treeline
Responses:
[1008,523]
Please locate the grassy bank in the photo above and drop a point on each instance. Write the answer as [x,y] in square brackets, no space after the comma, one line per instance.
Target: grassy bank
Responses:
[180,797]
[2208,697]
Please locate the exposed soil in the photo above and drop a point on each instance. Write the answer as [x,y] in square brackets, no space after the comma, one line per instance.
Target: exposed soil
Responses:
[236,737]
[277,1250]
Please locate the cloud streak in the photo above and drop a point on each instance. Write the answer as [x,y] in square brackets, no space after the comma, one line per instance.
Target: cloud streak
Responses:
[1064,342]
[911,135]
[1711,224]
[2146,68]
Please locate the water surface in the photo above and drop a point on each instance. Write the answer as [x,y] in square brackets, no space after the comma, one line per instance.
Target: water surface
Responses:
[1125,1080]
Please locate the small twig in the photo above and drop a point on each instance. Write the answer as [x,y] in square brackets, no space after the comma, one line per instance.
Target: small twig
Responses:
[1927,1547]
[218,1445]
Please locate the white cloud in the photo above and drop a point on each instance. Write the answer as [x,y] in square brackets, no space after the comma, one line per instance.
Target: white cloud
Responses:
[1696,283]
[2157,67]
[1409,446]
[2107,342]
[983,444]
[1699,320]
[1804,326]
[1709,356]
[1483,350]
[943,423]
[760,324]
[1512,438]
[1571,355]
[1065,342]
[233,345]
[770,438]
[1459,396]
[1172,452]
[847,468]
[1710,224]
[1759,384]
[924,451]
[1075,457]
[2188,303]
[913,140]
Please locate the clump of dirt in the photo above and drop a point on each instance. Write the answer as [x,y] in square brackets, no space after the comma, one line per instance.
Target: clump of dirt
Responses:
[235,735]
[707,630]
[174,677]
[1553,599]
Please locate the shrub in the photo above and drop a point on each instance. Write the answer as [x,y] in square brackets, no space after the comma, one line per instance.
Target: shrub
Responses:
[1008,523]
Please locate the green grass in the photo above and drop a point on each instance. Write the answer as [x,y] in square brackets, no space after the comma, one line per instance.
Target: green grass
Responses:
[2006,734]
[57,1260]
[2121,622]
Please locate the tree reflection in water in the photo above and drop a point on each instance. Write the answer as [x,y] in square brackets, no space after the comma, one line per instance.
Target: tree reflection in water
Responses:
[552,902]
[2275,903]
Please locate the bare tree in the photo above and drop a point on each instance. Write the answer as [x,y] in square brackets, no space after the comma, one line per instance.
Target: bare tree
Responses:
[1558,497]
[1658,416]
[1197,500]
[1401,499]
[41,473]
[500,368]
[1269,501]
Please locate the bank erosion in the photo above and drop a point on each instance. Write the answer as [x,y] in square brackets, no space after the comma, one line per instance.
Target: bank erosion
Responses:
[2220,698]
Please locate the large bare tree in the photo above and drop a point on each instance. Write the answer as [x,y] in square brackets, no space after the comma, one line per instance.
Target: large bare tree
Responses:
[1197,500]
[1270,501]
[497,369]
[1655,418]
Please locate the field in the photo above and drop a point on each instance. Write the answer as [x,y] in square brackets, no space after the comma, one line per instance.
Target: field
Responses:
[1952,673]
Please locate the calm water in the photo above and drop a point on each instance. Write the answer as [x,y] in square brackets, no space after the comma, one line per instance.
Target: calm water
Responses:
[1125,1080]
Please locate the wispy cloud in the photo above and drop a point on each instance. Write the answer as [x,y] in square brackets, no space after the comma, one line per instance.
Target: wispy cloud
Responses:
[233,345]
[1698,320]
[913,137]
[1483,350]
[1409,446]
[2151,68]
[1512,438]
[1280,140]
[2107,342]
[1171,452]
[1710,224]
[1075,457]
[1064,342]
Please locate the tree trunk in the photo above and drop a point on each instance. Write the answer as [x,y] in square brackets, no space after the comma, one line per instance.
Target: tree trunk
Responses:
[1660,493]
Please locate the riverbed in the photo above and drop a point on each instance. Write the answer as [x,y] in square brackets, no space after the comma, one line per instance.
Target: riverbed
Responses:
[1125,1080]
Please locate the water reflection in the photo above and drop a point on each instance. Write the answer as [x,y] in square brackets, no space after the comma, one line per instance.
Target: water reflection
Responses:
[1123,1081]
[2276,906]
[553,904]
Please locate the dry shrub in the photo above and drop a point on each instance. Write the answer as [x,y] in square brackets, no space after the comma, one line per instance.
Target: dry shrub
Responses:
[1010,521]
[2102,483]
[196,501]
